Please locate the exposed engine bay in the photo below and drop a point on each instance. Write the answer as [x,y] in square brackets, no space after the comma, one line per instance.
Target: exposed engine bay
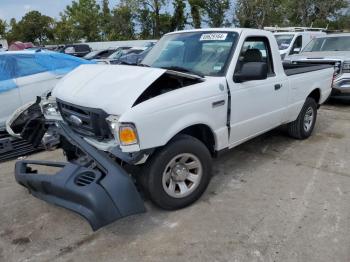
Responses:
[168,82]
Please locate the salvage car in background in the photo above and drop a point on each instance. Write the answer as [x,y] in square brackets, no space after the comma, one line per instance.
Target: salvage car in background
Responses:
[25,75]
[197,94]
[115,57]
[100,54]
[78,50]
[133,58]
[331,49]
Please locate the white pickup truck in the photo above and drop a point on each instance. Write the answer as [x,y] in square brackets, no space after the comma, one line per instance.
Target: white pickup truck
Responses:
[332,49]
[196,94]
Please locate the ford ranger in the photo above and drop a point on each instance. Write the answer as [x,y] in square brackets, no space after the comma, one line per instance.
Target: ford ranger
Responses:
[154,128]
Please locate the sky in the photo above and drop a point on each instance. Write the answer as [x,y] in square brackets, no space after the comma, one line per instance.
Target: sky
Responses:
[18,8]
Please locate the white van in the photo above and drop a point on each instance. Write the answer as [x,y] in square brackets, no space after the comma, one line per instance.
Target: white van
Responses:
[3,45]
[291,40]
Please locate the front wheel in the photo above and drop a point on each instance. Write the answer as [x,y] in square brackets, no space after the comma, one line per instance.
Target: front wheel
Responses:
[178,174]
[303,126]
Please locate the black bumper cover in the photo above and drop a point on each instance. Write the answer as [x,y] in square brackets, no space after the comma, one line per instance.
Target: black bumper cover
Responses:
[100,195]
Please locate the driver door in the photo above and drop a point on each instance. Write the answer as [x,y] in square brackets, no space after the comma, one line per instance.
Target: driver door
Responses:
[256,106]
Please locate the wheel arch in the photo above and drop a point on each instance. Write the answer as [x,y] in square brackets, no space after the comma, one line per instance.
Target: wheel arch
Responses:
[316,95]
[202,132]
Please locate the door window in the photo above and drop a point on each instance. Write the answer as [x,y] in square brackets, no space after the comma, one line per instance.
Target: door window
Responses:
[69,50]
[256,49]
[298,43]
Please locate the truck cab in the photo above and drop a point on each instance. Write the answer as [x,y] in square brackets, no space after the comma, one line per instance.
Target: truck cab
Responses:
[292,40]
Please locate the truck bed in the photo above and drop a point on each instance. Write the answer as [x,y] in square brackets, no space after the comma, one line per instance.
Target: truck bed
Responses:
[295,69]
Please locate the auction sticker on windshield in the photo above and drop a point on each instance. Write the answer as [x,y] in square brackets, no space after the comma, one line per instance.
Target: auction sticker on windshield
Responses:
[213,37]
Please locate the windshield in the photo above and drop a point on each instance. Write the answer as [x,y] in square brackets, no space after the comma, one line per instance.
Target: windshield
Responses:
[284,41]
[117,54]
[204,52]
[323,44]
[91,54]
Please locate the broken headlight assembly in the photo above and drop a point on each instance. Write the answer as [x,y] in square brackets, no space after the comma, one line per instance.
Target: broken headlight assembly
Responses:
[50,109]
[125,133]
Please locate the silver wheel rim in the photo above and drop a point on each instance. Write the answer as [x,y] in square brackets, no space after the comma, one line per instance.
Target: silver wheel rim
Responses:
[182,175]
[308,119]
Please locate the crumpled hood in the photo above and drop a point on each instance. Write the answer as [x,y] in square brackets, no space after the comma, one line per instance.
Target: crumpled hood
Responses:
[108,87]
[329,55]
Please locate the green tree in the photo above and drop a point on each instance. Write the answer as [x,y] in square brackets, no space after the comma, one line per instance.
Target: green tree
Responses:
[154,8]
[122,22]
[216,10]
[13,34]
[64,31]
[34,27]
[196,7]
[341,23]
[260,13]
[316,12]
[165,23]
[146,23]
[106,19]
[178,20]
[85,18]
[3,26]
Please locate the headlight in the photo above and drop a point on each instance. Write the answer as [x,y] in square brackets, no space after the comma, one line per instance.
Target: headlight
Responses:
[346,67]
[113,125]
[49,108]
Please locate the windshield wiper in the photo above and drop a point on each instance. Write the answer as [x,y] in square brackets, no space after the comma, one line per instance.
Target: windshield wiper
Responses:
[184,70]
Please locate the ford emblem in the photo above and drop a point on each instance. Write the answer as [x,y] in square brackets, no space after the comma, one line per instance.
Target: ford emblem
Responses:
[75,120]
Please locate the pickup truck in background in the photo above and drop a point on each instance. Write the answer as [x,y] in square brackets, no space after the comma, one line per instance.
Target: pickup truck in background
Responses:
[331,49]
[196,94]
[291,40]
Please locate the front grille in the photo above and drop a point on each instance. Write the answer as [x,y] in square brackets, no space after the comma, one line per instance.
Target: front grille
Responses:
[92,120]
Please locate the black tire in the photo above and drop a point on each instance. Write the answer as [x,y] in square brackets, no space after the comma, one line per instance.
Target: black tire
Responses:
[152,173]
[297,129]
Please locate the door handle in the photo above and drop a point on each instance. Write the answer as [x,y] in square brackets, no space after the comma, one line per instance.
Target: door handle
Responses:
[59,76]
[278,86]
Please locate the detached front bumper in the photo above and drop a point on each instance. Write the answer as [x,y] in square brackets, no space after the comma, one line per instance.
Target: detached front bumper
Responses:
[101,195]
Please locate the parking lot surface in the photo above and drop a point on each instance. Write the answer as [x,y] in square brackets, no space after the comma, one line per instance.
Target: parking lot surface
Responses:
[271,199]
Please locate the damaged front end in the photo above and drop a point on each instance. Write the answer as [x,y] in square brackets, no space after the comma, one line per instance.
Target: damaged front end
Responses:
[99,189]
[29,123]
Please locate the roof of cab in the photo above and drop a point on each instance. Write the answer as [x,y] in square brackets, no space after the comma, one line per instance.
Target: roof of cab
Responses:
[228,29]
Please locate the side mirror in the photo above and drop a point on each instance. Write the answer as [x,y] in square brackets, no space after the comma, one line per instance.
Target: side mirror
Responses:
[251,71]
[295,51]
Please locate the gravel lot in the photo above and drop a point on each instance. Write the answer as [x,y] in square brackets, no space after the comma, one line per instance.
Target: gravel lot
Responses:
[271,199]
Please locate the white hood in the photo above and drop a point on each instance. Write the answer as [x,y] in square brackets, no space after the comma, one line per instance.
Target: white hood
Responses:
[108,87]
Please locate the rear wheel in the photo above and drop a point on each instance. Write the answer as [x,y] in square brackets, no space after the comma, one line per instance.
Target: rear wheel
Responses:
[178,174]
[303,126]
